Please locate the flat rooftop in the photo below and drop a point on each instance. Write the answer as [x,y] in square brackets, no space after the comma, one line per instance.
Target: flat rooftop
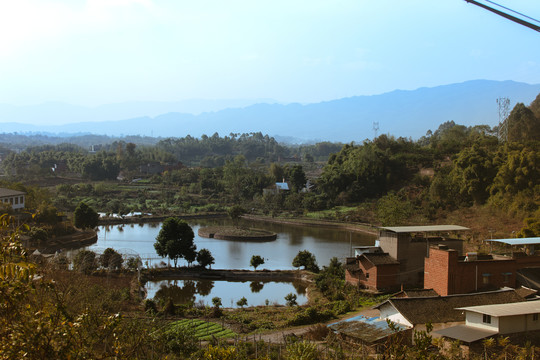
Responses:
[425,228]
[518,241]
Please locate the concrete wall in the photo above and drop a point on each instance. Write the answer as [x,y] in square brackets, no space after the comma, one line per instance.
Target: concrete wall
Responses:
[476,320]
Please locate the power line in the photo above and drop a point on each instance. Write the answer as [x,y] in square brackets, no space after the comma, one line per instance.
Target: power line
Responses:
[507,16]
[515,12]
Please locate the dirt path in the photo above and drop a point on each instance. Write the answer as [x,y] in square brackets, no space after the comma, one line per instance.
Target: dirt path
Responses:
[279,336]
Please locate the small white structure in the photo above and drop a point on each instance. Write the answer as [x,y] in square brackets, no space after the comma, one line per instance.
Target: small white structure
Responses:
[12,197]
[504,318]
[499,319]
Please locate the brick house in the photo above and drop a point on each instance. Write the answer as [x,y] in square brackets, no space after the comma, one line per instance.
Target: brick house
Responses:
[409,245]
[448,273]
[375,271]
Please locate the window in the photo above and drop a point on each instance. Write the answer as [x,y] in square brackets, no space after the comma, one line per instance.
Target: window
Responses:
[506,277]
[16,201]
[486,319]
[485,279]
[535,317]
[367,275]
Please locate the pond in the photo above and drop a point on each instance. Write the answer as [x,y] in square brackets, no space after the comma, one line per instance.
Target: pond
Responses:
[278,254]
[324,243]
[202,291]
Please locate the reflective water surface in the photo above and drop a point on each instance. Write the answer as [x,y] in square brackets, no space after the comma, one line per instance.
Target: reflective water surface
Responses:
[278,254]
[202,291]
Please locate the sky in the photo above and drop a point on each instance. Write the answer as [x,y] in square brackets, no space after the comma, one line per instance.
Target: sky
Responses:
[98,52]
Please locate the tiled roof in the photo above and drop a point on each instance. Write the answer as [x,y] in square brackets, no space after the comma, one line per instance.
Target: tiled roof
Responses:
[380,259]
[8,192]
[442,309]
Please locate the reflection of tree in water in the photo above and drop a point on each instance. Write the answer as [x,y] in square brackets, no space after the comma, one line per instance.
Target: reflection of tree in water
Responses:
[299,287]
[204,287]
[179,295]
[256,286]
[296,237]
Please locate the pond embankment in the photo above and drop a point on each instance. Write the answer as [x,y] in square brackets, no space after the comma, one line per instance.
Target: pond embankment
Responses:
[236,233]
[357,227]
[110,220]
[225,275]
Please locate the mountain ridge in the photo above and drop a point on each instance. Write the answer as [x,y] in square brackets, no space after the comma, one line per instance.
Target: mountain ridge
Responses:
[405,113]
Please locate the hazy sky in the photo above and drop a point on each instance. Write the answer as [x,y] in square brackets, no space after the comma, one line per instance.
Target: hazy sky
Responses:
[103,51]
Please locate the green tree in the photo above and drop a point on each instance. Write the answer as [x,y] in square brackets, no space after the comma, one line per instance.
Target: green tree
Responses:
[393,210]
[297,177]
[205,258]
[85,262]
[242,302]
[307,260]
[474,171]
[175,240]
[111,259]
[523,125]
[235,212]
[291,299]
[256,261]
[85,217]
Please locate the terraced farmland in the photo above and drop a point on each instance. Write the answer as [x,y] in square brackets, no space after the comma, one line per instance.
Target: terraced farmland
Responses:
[204,330]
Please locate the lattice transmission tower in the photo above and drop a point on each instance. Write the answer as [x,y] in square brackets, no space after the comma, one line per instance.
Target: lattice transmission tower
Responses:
[375,128]
[504,111]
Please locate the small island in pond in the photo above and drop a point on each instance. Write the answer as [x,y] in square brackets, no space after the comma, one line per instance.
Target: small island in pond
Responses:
[236,233]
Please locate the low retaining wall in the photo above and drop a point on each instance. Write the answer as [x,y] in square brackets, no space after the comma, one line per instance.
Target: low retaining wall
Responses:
[226,233]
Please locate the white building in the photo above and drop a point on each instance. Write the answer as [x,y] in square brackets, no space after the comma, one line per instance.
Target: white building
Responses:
[499,319]
[12,197]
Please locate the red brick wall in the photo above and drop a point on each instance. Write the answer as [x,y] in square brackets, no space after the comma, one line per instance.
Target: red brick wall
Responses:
[437,268]
[446,275]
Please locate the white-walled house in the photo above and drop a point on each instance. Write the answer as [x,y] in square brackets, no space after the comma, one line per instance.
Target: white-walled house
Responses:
[504,318]
[13,197]
[498,319]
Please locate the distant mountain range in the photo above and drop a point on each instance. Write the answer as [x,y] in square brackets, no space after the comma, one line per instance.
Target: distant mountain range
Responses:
[399,113]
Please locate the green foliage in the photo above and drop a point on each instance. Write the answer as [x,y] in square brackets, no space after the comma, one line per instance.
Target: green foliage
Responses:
[393,210]
[297,177]
[85,262]
[474,172]
[235,212]
[178,339]
[307,260]
[302,350]
[291,299]
[523,125]
[205,258]
[242,302]
[85,217]
[111,259]
[531,226]
[311,315]
[175,240]
[256,261]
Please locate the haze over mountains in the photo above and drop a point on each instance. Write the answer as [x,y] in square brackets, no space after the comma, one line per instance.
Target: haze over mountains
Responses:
[399,113]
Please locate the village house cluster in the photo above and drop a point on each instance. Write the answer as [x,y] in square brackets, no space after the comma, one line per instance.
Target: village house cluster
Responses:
[465,296]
